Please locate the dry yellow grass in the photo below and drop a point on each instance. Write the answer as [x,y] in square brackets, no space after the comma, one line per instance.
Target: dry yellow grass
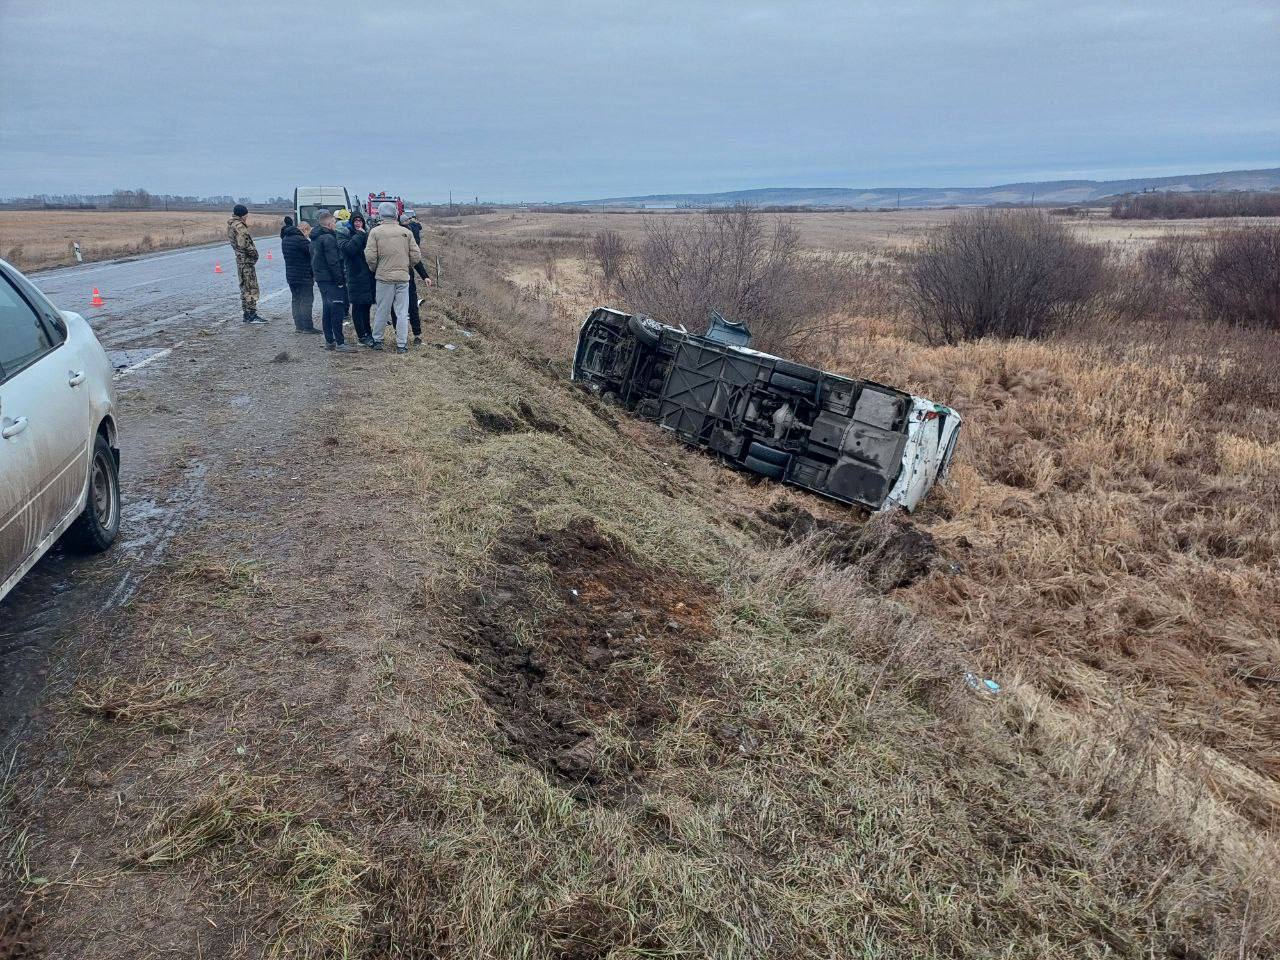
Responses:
[839,232]
[1117,542]
[37,239]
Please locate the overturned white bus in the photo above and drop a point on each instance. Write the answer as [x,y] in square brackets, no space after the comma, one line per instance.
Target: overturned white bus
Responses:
[855,441]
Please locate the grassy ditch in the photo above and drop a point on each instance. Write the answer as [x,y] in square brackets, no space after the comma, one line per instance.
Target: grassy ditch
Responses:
[561,688]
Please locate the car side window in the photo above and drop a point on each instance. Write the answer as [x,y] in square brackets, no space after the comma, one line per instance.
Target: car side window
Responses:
[55,326]
[24,336]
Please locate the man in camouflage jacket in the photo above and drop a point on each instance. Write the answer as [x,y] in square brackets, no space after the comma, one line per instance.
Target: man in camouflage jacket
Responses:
[246,256]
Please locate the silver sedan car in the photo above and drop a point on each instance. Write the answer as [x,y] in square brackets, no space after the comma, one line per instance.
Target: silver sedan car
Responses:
[59,456]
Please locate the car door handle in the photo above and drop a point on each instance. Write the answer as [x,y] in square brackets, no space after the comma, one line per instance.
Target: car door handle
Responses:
[13,427]
[75,377]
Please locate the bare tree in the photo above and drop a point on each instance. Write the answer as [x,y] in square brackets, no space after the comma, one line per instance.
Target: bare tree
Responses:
[743,264]
[609,251]
[1171,205]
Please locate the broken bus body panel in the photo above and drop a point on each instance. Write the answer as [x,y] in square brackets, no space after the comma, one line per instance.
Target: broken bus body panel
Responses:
[855,441]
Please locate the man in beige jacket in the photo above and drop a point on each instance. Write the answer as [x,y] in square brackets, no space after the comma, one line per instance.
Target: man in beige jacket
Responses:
[391,253]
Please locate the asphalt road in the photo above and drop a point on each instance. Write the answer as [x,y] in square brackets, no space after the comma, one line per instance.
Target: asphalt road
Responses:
[155,302]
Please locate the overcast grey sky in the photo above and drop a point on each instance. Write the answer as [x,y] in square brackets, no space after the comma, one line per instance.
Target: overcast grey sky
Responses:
[570,100]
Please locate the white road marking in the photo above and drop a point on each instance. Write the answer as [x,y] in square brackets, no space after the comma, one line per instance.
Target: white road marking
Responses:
[145,360]
[177,316]
[132,286]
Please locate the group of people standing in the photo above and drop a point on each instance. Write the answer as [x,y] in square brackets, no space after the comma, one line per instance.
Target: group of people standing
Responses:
[369,269]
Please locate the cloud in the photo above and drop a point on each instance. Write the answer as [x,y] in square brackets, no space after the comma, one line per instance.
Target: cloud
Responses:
[539,101]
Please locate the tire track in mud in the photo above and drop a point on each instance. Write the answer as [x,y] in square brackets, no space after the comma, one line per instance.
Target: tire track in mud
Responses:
[150,541]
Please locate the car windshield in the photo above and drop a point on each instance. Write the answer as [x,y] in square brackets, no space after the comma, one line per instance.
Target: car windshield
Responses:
[307,212]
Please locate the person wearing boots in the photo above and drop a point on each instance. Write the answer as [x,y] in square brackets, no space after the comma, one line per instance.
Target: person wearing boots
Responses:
[246,259]
[410,223]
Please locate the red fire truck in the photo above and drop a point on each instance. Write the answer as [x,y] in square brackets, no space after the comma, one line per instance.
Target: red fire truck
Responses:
[376,199]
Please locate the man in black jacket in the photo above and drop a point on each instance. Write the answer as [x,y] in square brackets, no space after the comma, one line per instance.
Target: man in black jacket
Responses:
[331,278]
[360,282]
[296,250]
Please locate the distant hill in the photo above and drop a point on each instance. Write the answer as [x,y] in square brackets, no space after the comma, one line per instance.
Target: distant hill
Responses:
[1042,192]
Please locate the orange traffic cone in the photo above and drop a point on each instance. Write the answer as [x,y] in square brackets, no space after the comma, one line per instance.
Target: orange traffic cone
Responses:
[217,268]
[268,254]
[97,300]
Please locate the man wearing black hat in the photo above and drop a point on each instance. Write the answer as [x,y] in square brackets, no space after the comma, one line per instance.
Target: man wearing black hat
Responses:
[246,257]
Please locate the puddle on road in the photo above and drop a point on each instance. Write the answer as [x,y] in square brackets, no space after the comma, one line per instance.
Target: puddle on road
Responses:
[36,612]
[123,359]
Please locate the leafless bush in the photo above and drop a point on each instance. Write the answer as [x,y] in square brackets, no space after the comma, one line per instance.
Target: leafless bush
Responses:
[1154,286]
[733,261]
[1231,276]
[609,250]
[1167,205]
[1001,273]
[1237,277]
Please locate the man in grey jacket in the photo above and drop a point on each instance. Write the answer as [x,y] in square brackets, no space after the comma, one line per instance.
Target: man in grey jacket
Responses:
[391,253]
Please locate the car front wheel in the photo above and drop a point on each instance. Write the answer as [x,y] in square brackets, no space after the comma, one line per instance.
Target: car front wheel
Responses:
[97,526]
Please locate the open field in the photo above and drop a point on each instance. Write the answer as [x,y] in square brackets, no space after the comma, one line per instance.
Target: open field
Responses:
[35,240]
[485,668]
[38,239]
[833,232]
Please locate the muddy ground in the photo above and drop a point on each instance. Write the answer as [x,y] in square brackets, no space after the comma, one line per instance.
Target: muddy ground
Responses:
[185,414]
[236,430]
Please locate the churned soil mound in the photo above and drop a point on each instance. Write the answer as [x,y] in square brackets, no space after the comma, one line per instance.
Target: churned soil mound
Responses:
[519,418]
[581,668]
[891,551]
